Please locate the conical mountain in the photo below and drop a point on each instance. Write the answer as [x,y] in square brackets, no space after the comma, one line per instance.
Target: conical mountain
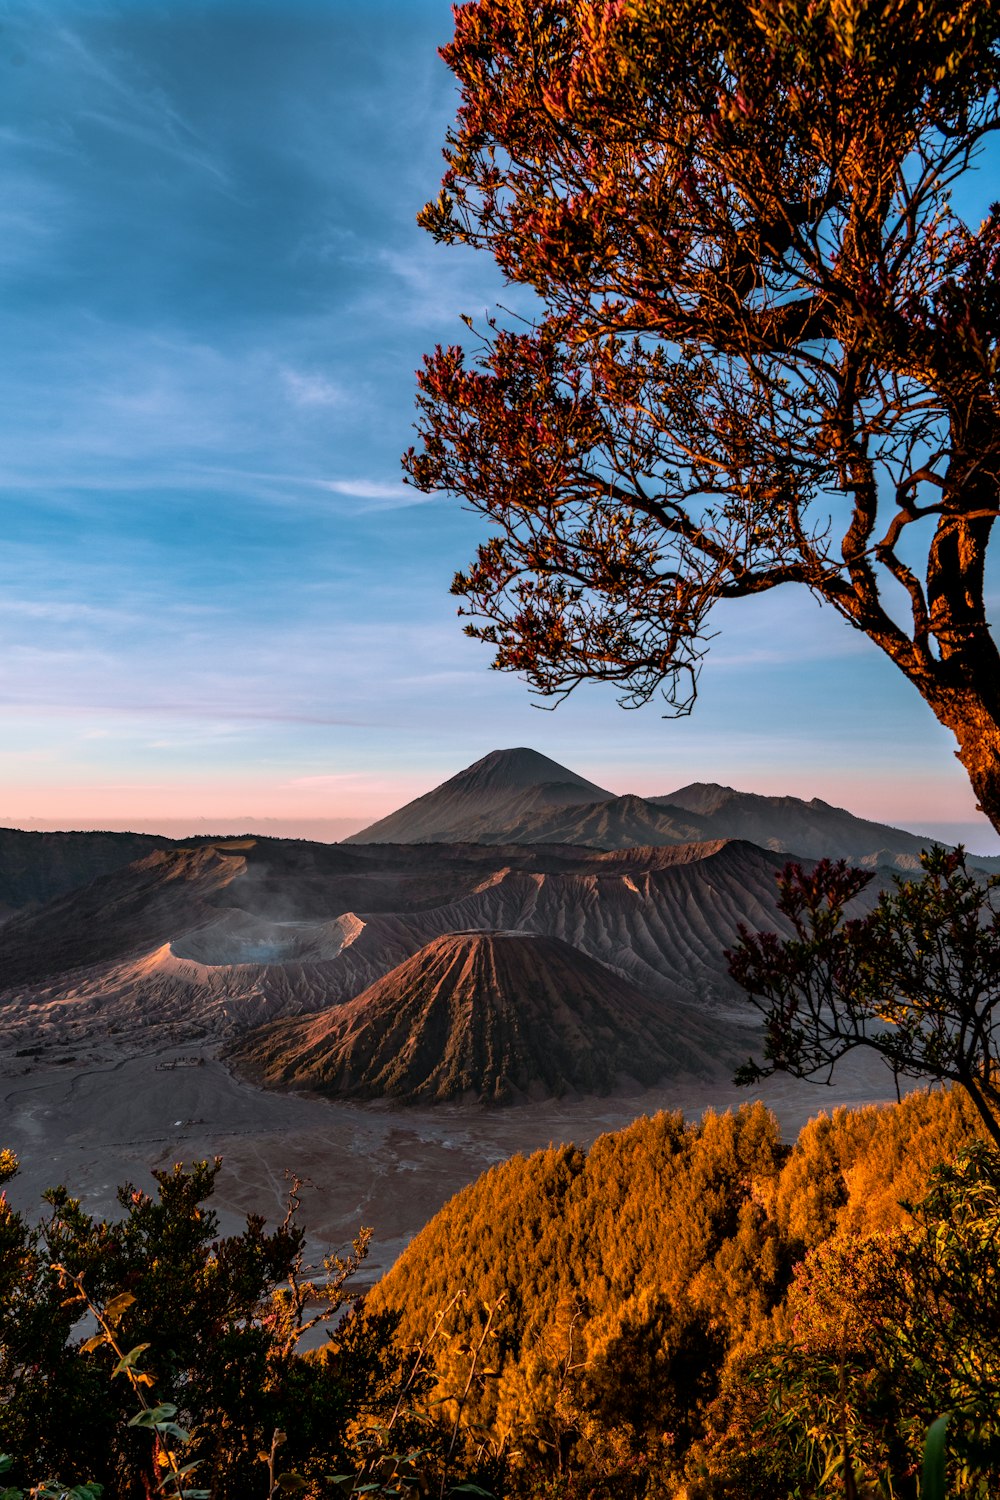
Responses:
[503,787]
[487,1016]
[521,797]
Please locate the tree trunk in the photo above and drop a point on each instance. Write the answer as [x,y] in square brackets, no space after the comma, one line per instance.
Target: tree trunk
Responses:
[985,1110]
[974,719]
[979,752]
[964,684]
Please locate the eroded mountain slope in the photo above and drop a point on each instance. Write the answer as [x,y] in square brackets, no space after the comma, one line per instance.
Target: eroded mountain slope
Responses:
[491,1016]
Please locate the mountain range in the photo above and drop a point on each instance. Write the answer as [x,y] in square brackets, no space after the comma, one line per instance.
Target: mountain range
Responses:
[230,935]
[539,872]
[514,796]
[518,796]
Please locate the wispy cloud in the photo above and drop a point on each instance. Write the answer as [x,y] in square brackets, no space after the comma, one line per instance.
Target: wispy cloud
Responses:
[372,489]
[428,286]
[138,106]
[222,713]
[33,211]
[139,413]
[154,134]
[311,390]
[65,611]
[381,494]
[12,138]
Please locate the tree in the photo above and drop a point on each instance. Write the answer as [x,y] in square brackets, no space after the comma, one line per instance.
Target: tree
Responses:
[917,980]
[215,1323]
[767,345]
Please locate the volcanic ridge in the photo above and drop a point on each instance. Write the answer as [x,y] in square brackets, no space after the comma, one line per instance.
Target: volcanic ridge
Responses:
[490,1016]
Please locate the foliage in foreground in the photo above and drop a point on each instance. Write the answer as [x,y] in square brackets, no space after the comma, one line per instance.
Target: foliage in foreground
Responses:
[917,980]
[883,1331]
[684,1310]
[210,1324]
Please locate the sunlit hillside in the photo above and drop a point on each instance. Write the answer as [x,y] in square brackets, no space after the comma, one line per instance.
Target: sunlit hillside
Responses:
[625,1292]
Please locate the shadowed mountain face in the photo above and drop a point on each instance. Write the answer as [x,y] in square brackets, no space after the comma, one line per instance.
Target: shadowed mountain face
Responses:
[125,911]
[813,830]
[497,792]
[490,1016]
[37,867]
[615,823]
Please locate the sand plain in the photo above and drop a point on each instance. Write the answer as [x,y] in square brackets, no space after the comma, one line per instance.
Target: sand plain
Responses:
[94,1124]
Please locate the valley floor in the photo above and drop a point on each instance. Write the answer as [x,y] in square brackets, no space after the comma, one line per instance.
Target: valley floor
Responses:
[94,1125]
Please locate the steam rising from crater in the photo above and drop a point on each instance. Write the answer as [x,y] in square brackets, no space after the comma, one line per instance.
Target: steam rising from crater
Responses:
[238,938]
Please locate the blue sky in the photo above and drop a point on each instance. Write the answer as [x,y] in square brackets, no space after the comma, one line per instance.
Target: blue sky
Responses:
[218,603]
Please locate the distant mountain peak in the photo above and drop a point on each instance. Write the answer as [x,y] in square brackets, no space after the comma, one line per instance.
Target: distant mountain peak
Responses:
[811,830]
[495,787]
[518,768]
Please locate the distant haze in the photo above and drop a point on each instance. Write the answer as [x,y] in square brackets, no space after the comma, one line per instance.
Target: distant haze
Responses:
[384,799]
[318,830]
[978,838]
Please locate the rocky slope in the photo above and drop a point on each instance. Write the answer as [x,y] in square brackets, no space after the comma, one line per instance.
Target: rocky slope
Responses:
[235,934]
[812,830]
[490,1016]
[120,913]
[614,823]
